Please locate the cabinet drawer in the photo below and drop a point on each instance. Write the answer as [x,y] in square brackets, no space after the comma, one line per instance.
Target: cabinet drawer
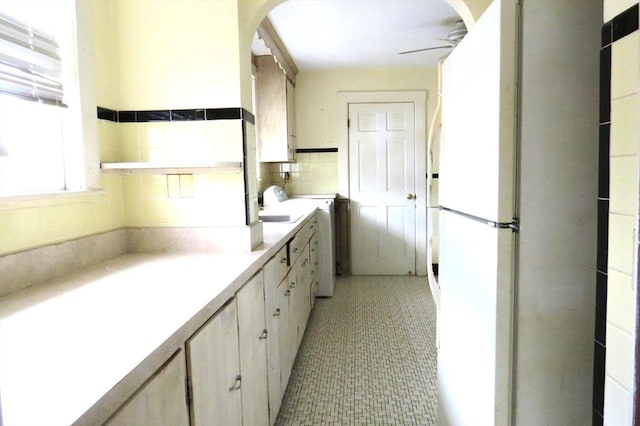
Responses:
[298,243]
[276,267]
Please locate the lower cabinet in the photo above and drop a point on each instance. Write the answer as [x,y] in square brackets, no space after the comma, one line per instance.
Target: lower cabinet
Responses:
[235,368]
[253,335]
[214,371]
[287,350]
[313,252]
[274,316]
[161,401]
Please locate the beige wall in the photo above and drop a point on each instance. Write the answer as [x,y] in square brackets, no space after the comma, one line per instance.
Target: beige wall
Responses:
[146,57]
[318,122]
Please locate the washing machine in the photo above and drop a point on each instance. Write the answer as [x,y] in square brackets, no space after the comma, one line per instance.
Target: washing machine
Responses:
[276,197]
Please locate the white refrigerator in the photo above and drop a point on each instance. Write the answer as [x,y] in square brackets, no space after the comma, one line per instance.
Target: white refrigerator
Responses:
[506,169]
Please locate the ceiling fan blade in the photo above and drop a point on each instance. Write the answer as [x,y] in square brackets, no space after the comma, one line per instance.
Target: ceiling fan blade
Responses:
[425,49]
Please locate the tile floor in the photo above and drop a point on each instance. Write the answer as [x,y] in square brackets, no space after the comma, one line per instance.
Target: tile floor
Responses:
[368,357]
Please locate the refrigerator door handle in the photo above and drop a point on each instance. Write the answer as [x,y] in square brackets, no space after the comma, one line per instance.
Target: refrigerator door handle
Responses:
[514,225]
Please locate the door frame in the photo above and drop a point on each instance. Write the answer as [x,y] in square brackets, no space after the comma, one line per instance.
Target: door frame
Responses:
[419,100]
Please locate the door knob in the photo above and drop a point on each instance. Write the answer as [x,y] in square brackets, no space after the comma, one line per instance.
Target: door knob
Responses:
[411,196]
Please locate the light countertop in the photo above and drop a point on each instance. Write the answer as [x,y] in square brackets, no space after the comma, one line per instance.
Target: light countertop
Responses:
[67,343]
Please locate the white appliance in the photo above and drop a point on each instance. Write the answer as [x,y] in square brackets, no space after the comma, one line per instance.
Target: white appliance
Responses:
[275,198]
[517,192]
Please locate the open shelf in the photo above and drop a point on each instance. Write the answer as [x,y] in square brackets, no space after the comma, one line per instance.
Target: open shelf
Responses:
[162,168]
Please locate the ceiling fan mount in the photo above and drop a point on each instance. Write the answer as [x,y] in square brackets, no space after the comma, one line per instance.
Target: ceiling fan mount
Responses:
[453,38]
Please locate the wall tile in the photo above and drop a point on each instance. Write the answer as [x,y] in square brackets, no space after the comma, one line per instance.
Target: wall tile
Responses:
[605,84]
[601,308]
[603,235]
[173,186]
[153,142]
[621,243]
[621,298]
[624,185]
[108,141]
[599,375]
[613,8]
[603,161]
[128,141]
[186,186]
[625,125]
[597,419]
[620,356]
[624,66]
[617,404]
[625,23]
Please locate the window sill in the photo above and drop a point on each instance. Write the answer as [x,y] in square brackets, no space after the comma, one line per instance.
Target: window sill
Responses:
[25,200]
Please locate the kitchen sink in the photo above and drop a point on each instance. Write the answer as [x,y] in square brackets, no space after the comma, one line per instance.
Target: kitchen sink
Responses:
[279,217]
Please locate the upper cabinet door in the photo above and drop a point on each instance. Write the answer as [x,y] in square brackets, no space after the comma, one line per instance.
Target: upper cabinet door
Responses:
[275,112]
[214,369]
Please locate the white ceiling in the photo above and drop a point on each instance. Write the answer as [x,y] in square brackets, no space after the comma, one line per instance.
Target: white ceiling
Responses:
[327,34]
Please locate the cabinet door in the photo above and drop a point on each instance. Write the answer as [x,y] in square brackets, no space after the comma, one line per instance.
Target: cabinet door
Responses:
[287,350]
[291,121]
[274,315]
[298,298]
[315,264]
[304,289]
[161,401]
[253,335]
[271,111]
[214,369]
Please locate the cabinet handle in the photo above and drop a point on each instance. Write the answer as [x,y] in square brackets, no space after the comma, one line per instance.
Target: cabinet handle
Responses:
[305,262]
[292,285]
[236,384]
[263,335]
[283,260]
[287,293]
[277,312]
[296,249]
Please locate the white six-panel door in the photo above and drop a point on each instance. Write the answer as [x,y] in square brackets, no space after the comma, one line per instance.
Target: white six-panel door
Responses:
[382,188]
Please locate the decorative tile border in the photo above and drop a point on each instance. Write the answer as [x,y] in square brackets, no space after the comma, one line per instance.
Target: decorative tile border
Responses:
[315,150]
[194,114]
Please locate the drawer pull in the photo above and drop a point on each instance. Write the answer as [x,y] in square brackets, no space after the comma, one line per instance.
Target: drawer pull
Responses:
[263,335]
[287,293]
[296,249]
[292,285]
[283,260]
[236,384]
[305,262]
[277,312]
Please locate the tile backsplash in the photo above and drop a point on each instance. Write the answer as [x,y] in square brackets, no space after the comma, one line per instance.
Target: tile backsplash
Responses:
[313,173]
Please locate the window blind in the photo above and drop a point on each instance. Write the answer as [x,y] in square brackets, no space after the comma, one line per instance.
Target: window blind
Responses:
[30,64]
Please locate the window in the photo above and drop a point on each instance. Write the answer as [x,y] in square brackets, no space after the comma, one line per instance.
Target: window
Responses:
[42,148]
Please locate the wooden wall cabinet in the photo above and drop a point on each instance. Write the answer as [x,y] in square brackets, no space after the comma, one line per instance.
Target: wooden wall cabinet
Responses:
[275,112]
